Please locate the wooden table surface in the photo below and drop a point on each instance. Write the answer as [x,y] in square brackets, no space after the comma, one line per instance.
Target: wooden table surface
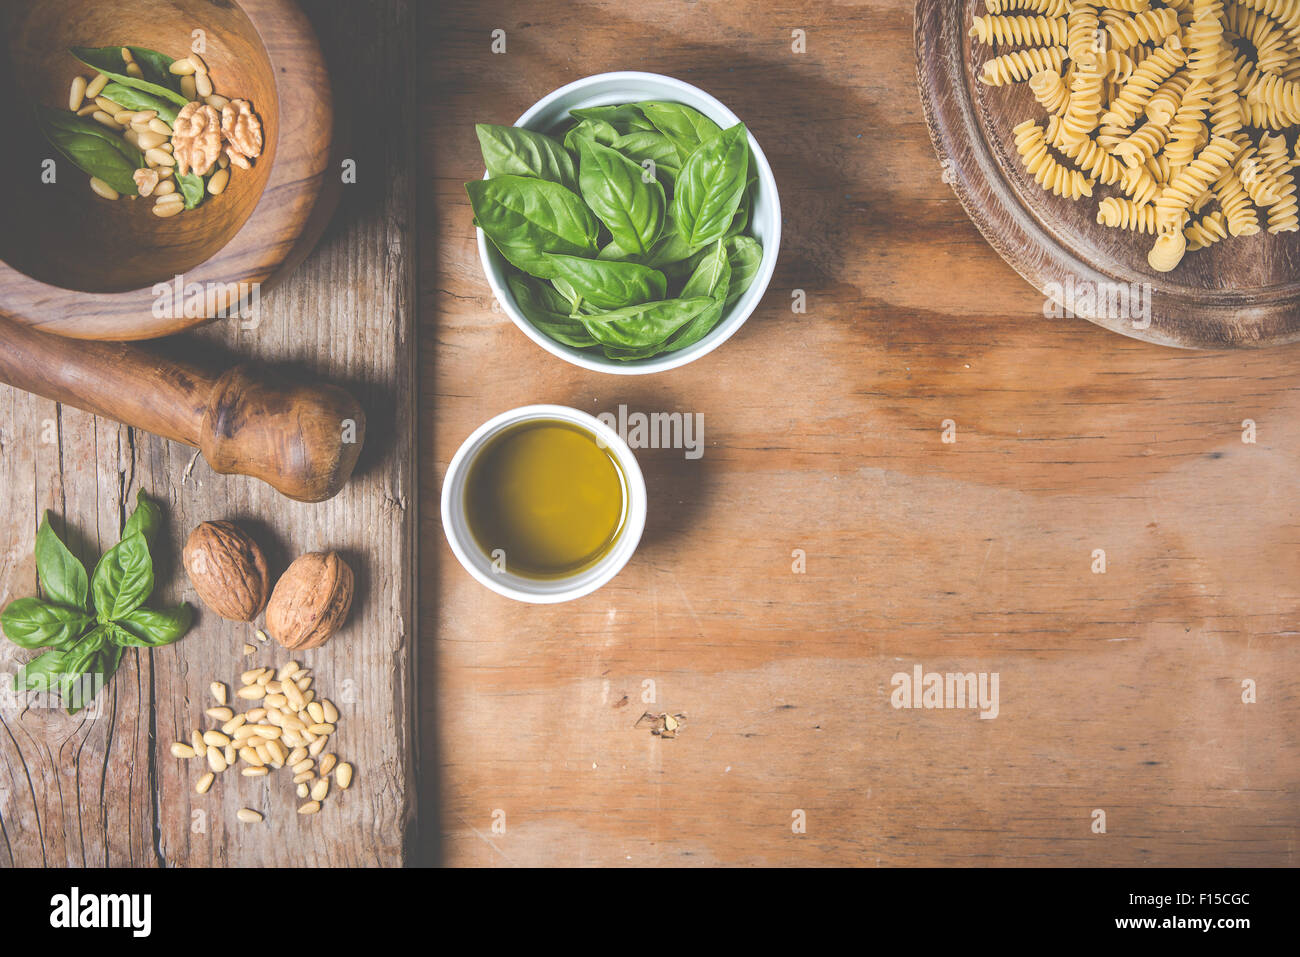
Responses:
[1120,692]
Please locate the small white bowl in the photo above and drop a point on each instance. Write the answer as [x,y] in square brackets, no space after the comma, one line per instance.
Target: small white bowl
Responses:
[455,521]
[765,223]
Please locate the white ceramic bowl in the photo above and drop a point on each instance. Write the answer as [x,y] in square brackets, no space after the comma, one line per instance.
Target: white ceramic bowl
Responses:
[765,225]
[550,591]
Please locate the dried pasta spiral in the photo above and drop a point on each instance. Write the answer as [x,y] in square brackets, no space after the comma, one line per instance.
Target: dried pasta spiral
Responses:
[1019,29]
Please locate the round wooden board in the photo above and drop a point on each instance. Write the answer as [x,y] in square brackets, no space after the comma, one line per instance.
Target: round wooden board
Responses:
[1238,293]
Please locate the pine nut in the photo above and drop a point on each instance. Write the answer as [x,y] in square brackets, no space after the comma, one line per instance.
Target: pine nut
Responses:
[306,764]
[223,161]
[249,649]
[108,106]
[287,671]
[291,691]
[331,712]
[196,740]
[272,700]
[268,731]
[249,756]
[311,807]
[265,678]
[96,86]
[216,101]
[220,714]
[132,136]
[303,790]
[343,776]
[238,721]
[77,93]
[316,711]
[230,755]
[249,692]
[250,677]
[148,140]
[99,116]
[143,116]
[102,189]
[321,729]
[172,199]
[127,55]
[215,738]
[317,746]
[182,67]
[257,714]
[304,777]
[255,772]
[261,751]
[87,110]
[204,783]
[248,816]
[183,751]
[307,736]
[217,184]
[290,723]
[261,635]
[300,674]
[277,751]
[133,69]
[245,731]
[320,789]
[202,85]
[159,126]
[167,148]
[272,687]
[296,755]
[216,759]
[327,763]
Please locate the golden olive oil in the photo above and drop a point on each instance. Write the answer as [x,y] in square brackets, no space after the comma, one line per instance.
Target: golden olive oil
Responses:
[546,499]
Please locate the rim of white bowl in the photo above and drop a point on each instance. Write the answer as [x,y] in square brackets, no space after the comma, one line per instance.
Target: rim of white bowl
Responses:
[740,312]
[455,524]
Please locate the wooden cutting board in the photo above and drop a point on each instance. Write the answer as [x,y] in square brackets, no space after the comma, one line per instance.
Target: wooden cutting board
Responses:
[1241,292]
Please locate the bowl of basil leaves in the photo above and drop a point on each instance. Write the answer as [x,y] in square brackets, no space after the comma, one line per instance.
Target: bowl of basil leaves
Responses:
[627,223]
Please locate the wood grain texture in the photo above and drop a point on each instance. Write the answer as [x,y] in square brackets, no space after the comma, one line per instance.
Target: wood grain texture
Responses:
[1119,691]
[106,791]
[53,273]
[1241,292]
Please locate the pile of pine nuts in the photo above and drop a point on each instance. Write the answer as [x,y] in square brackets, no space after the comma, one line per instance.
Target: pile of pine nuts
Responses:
[147,131]
[287,727]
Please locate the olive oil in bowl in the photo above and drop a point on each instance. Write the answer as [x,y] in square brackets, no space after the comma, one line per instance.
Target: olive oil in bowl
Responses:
[545,499]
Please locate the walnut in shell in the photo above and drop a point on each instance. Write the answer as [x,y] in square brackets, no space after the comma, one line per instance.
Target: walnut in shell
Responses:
[311,601]
[242,130]
[196,138]
[228,570]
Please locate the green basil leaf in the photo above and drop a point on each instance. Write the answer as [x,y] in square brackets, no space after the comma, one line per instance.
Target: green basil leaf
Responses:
[86,670]
[610,285]
[745,256]
[156,67]
[150,628]
[132,99]
[32,623]
[123,579]
[512,151]
[643,326]
[527,218]
[651,147]
[91,148]
[146,519]
[547,310]
[63,577]
[193,188]
[712,276]
[710,187]
[687,128]
[108,61]
[42,673]
[597,130]
[616,191]
[623,119]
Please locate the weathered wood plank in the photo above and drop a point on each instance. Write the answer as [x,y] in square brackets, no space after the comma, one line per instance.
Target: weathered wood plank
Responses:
[107,791]
[1119,692]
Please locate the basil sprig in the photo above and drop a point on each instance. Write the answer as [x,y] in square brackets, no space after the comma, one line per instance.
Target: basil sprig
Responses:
[91,148]
[87,620]
[628,234]
[158,79]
